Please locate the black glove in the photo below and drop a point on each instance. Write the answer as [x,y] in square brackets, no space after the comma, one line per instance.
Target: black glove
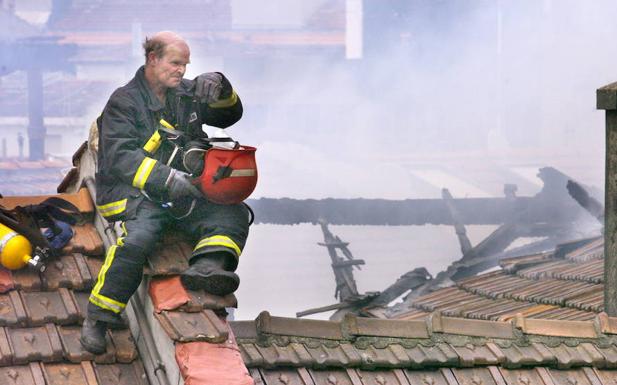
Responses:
[211,87]
[179,185]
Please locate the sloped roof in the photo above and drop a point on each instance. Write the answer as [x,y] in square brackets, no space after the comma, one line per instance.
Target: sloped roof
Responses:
[41,313]
[436,350]
[566,283]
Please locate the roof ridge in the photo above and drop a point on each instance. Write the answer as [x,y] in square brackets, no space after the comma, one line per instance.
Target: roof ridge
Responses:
[352,327]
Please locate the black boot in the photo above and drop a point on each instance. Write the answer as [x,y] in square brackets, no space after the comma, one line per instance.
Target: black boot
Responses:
[209,273]
[93,336]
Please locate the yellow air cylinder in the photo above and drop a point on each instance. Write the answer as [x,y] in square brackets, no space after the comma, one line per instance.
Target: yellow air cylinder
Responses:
[15,249]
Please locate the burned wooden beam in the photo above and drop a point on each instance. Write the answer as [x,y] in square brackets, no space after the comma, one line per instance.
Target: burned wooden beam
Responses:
[552,202]
[589,203]
[457,221]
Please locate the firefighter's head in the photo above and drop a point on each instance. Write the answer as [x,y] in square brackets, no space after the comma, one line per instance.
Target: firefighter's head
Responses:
[167,55]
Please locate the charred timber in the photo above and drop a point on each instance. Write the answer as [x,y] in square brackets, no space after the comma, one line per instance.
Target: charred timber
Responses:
[472,211]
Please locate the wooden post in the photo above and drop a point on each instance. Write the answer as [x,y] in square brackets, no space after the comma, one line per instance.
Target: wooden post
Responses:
[606,99]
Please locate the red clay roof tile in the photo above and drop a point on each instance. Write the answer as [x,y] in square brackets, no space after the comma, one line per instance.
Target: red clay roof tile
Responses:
[167,293]
[86,240]
[225,365]
[6,280]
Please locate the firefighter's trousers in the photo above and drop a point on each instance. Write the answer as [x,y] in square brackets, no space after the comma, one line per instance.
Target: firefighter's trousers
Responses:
[215,228]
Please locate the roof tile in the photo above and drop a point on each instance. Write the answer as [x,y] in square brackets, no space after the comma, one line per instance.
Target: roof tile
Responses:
[521,377]
[324,356]
[27,279]
[393,377]
[282,376]
[85,240]
[6,280]
[476,355]
[333,377]
[12,311]
[65,272]
[6,354]
[126,351]
[432,356]
[390,328]
[579,329]
[225,364]
[22,375]
[577,377]
[187,327]
[534,354]
[35,344]
[167,293]
[50,306]
[69,374]
[479,376]
[80,199]
[171,259]
[121,374]
[74,351]
[433,377]
[469,327]
[302,327]
[606,376]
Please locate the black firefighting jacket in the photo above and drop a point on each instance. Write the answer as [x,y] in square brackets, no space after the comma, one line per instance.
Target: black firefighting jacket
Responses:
[132,157]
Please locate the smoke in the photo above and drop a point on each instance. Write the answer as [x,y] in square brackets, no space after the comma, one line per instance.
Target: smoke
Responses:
[512,83]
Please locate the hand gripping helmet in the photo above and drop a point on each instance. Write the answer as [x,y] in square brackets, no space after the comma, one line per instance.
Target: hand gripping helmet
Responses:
[228,175]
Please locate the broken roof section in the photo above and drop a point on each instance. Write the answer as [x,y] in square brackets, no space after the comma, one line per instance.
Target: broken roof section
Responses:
[566,283]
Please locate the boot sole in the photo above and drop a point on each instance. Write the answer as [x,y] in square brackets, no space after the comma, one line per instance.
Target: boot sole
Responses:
[92,348]
[220,284]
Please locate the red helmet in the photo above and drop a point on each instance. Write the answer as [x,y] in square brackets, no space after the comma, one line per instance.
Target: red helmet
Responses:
[229,175]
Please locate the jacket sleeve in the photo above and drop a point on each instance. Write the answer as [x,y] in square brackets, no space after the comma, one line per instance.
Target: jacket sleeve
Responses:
[223,113]
[126,158]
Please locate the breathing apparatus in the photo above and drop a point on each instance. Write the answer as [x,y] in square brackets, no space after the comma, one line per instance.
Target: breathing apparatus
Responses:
[21,241]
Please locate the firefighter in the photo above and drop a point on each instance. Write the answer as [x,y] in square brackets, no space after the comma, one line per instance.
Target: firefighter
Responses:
[135,182]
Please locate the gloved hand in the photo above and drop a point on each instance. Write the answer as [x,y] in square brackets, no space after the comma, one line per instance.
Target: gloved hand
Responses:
[179,185]
[211,87]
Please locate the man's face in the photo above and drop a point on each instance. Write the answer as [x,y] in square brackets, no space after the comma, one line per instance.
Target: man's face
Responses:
[169,69]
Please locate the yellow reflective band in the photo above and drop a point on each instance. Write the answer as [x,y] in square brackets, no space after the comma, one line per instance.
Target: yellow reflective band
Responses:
[230,101]
[109,258]
[107,303]
[153,143]
[143,172]
[112,208]
[166,124]
[219,240]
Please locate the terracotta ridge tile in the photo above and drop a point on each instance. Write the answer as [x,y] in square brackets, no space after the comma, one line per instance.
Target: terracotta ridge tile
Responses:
[267,324]
[361,326]
[470,327]
[557,328]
